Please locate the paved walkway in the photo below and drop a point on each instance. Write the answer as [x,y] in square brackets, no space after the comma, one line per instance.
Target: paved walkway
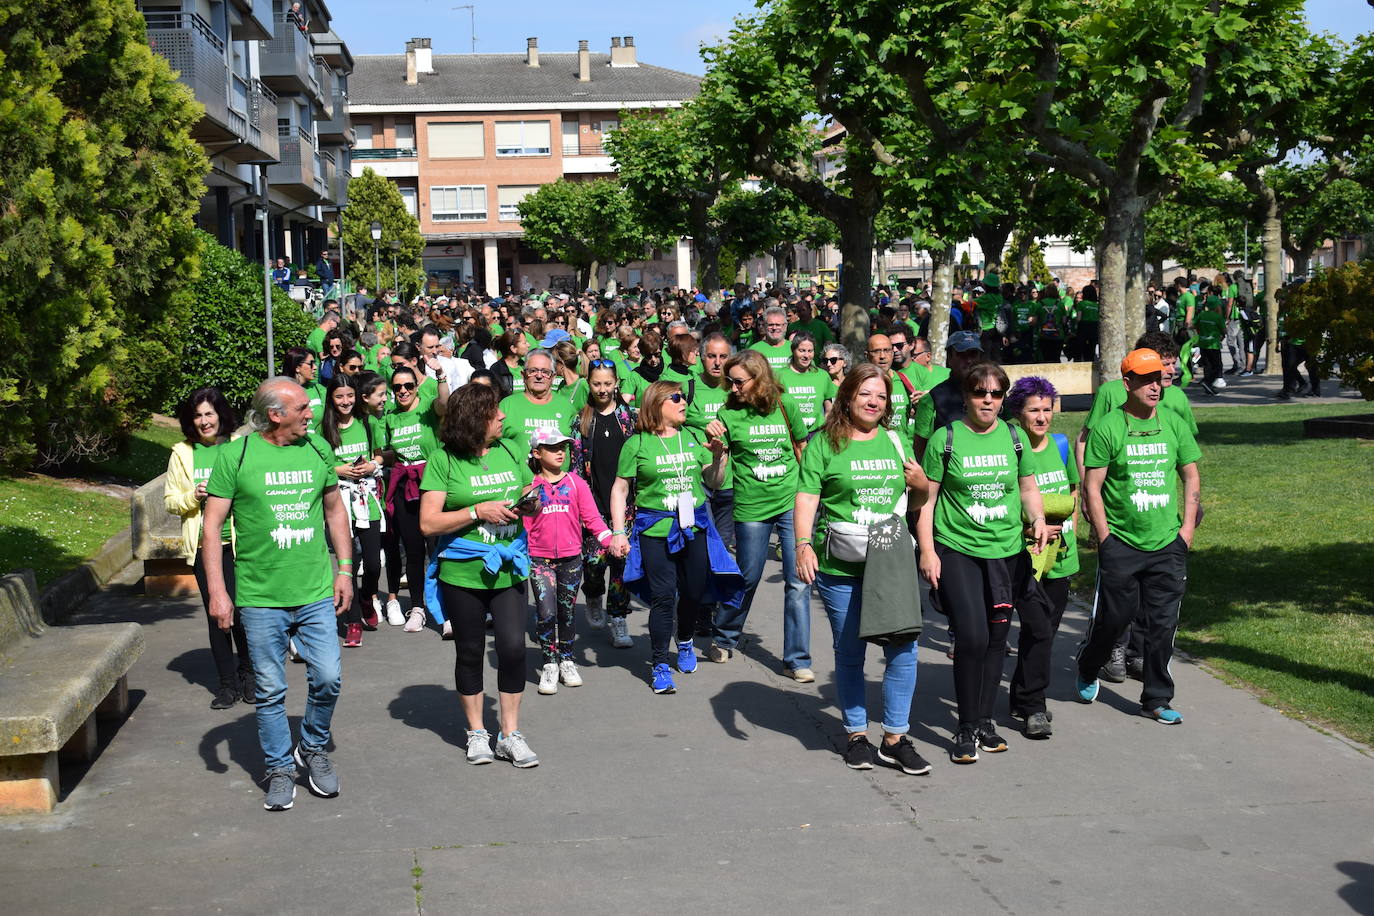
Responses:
[728,797]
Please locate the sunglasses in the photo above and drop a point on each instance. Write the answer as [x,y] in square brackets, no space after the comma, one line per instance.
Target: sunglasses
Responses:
[677,397]
[601,364]
[832,360]
[354,367]
[738,382]
[997,393]
[403,386]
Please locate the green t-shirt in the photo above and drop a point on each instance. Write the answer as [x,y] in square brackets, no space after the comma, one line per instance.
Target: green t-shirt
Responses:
[1022,310]
[809,390]
[314,341]
[861,484]
[978,512]
[576,393]
[202,463]
[1210,327]
[669,374]
[985,307]
[1142,458]
[523,417]
[1088,310]
[903,410]
[661,468]
[278,512]
[817,329]
[412,434]
[761,455]
[354,443]
[1186,300]
[316,393]
[1112,395]
[1050,319]
[706,403]
[922,378]
[497,475]
[777,356]
[1053,475]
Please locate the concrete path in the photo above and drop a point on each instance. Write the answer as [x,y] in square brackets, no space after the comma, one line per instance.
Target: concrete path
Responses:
[728,797]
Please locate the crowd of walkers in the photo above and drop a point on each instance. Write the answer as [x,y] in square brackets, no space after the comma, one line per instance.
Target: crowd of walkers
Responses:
[495,458]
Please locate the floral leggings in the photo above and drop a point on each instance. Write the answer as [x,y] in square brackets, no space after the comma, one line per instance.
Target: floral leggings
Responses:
[555,585]
[605,576]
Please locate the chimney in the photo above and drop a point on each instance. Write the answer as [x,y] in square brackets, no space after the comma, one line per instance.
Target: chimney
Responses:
[424,56]
[584,63]
[532,52]
[623,52]
[412,78]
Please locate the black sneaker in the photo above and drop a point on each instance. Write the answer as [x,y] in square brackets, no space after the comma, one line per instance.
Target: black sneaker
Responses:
[1207,387]
[965,747]
[859,754]
[1115,669]
[226,697]
[903,756]
[1038,725]
[989,740]
[1135,667]
[1018,713]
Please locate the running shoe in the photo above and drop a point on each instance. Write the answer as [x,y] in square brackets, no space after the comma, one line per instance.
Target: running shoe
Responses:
[281,790]
[479,747]
[320,773]
[374,616]
[903,756]
[718,654]
[1038,725]
[1115,669]
[858,755]
[1163,715]
[447,631]
[293,653]
[568,673]
[415,621]
[686,657]
[989,740]
[353,635]
[965,748]
[596,612]
[801,675]
[394,615]
[226,696]
[663,679]
[548,679]
[620,633]
[514,748]
[1087,690]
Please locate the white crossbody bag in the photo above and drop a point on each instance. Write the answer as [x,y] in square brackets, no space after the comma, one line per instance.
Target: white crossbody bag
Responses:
[848,541]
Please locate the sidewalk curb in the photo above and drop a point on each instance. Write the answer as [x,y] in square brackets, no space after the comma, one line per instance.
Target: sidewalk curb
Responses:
[60,598]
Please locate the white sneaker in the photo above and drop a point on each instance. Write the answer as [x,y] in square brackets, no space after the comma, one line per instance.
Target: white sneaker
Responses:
[1219,383]
[448,629]
[548,679]
[394,615]
[620,633]
[292,653]
[405,581]
[415,622]
[377,605]
[568,672]
[479,747]
[513,747]
[596,612]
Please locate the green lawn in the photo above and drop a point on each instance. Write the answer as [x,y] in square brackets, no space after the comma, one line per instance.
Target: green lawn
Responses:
[53,524]
[1279,581]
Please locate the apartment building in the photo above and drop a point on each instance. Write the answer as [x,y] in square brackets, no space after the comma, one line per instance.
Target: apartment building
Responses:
[274,83]
[466,137]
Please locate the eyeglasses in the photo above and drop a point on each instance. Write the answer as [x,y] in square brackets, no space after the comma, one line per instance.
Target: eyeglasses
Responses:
[539,373]
[601,364]
[677,397]
[995,393]
[741,382]
[882,351]
[403,386]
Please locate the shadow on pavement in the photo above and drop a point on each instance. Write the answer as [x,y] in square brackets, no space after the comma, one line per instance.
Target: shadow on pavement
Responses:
[239,736]
[435,708]
[1359,893]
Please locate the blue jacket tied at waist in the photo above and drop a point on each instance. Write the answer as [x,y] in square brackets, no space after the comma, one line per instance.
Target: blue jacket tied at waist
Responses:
[494,557]
[727,582]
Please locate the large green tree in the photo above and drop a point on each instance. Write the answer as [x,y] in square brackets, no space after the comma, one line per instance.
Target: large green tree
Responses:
[99,182]
[586,225]
[372,198]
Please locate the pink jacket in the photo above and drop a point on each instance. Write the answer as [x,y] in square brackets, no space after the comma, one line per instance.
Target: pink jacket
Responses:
[566,507]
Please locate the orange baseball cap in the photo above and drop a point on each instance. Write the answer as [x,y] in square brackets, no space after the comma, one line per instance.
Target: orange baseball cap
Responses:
[1141,362]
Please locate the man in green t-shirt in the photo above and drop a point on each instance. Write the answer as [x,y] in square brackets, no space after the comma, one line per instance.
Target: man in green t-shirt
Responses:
[1130,497]
[314,341]
[538,405]
[774,344]
[282,490]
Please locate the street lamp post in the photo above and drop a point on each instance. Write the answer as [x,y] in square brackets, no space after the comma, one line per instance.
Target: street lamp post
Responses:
[395,249]
[377,255]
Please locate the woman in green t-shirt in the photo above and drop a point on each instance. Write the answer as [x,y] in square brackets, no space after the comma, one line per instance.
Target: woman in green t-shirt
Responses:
[854,470]
[206,422]
[471,485]
[1031,403]
[665,464]
[972,550]
[347,431]
[760,431]
[299,364]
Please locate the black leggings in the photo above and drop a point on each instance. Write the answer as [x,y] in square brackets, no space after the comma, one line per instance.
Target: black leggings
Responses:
[467,609]
[1211,365]
[223,643]
[980,634]
[369,539]
[685,575]
[1035,653]
[403,530]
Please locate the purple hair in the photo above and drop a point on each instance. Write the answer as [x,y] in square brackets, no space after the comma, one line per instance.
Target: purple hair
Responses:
[1030,386]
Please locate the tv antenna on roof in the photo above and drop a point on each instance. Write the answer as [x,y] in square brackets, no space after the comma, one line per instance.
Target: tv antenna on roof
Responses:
[472,23]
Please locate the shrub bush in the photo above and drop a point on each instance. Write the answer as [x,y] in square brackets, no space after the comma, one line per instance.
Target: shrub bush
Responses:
[1332,313]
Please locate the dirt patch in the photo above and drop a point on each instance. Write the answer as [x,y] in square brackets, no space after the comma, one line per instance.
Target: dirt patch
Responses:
[1354,426]
[88,485]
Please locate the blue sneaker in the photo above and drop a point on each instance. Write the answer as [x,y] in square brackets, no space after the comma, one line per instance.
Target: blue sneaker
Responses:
[663,679]
[686,657]
[1163,715]
[1087,690]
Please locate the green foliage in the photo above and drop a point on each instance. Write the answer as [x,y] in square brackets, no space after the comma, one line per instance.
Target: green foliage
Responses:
[1317,206]
[1332,313]
[726,272]
[224,339]
[1202,225]
[582,223]
[374,198]
[98,186]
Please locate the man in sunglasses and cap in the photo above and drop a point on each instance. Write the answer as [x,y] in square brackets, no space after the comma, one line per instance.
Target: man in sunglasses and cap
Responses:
[944,403]
[1129,495]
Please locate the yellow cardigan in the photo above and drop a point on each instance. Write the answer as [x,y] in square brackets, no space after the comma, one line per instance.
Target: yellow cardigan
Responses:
[179,496]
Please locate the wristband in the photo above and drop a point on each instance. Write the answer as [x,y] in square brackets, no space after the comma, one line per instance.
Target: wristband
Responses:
[472,510]
[803,542]
[347,562]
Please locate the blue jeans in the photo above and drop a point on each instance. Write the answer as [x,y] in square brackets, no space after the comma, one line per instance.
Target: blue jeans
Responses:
[843,597]
[317,639]
[751,551]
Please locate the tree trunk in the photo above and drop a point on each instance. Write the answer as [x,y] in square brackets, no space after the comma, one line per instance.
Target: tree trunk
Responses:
[856,279]
[882,266]
[1133,324]
[941,289]
[1023,242]
[1271,242]
[708,267]
[1113,256]
[593,272]
[992,238]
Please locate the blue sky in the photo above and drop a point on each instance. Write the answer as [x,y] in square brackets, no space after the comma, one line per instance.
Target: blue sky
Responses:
[667,34]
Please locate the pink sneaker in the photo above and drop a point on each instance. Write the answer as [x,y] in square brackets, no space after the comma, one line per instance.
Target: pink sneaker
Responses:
[353,635]
[415,620]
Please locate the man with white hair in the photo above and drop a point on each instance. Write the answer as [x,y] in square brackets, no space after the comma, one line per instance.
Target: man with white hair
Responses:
[774,345]
[282,490]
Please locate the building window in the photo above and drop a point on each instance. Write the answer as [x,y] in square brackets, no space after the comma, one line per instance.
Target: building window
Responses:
[508,201]
[458,203]
[523,138]
[455,140]
[408,196]
[364,132]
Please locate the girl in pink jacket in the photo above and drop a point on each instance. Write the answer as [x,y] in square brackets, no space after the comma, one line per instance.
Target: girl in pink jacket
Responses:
[555,544]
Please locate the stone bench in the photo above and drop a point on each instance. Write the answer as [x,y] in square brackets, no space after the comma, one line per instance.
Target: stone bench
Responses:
[55,683]
[157,542]
[1067,378]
